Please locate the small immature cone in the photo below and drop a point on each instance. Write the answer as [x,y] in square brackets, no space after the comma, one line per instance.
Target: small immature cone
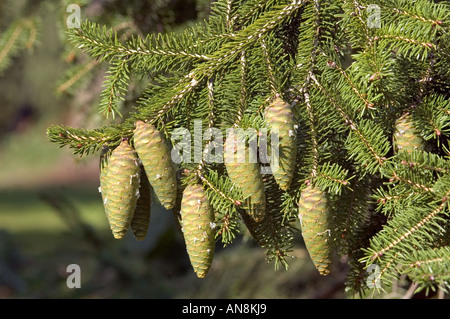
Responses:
[280,119]
[141,218]
[197,221]
[119,184]
[406,136]
[246,175]
[155,156]
[313,213]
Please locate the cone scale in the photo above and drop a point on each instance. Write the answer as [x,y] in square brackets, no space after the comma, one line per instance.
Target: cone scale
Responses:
[406,136]
[119,184]
[155,156]
[313,211]
[280,119]
[197,221]
[141,217]
[246,175]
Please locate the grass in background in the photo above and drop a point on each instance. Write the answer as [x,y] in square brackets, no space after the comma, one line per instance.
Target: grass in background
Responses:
[24,213]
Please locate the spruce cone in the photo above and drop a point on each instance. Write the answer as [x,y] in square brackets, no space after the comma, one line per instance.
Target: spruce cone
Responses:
[313,212]
[154,153]
[406,136]
[280,118]
[247,176]
[197,221]
[141,218]
[119,183]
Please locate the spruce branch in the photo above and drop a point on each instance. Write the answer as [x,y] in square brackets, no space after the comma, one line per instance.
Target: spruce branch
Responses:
[355,25]
[314,137]
[246,37]
[270,70]
[347,84]
[19,35]
[391,200]
[76,75]
[421,181]
[412,223]
[428,268]
[432,117]
[243,93]
[420,11]
[424,161]
[85,142]
[335,65]
[155,53]
[367,143]
[332,177]
[252,10]
[226,199]
[115,87]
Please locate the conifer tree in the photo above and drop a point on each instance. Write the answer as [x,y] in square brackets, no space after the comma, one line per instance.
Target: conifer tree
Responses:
[349,70]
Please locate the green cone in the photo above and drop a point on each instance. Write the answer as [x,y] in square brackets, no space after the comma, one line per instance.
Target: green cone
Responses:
[141,218]
[119,184]
[406,136]
[280,119]
[246,175]
[313,211]
[197,221]
[154,153]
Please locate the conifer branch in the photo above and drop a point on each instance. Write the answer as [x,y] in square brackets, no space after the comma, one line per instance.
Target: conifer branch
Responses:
[314,139]
[428,267]
[9,44]
[210,125]
[385,206]
[207,181]
[14,37]
[246,37]
[401,38]
[33,34]
[226,199]
[417,17]
[354,88]
[77,76]
[435,15]
[85,142]
[104,44]
[424,161]
[403,179]
[272,79]
[243,93]
[332,177]
[211,106]
[116,84]
[230,20]
[398,238]
[355,13]
[362,135]
[185,85]
[392,200]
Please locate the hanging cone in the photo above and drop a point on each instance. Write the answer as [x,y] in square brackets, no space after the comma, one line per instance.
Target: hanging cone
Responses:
[197,221]
[119,184]
[155,156]
[406,136]
[280,119]
[246,175]
[313,211]
[141,218]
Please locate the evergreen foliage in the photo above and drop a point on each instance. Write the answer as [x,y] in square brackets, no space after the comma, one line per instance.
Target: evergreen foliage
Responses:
[348,75]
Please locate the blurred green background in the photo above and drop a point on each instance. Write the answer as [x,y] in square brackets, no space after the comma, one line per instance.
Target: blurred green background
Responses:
[51,212]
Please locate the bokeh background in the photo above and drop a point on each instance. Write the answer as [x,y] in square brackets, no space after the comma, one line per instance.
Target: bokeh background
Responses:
[51,212]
